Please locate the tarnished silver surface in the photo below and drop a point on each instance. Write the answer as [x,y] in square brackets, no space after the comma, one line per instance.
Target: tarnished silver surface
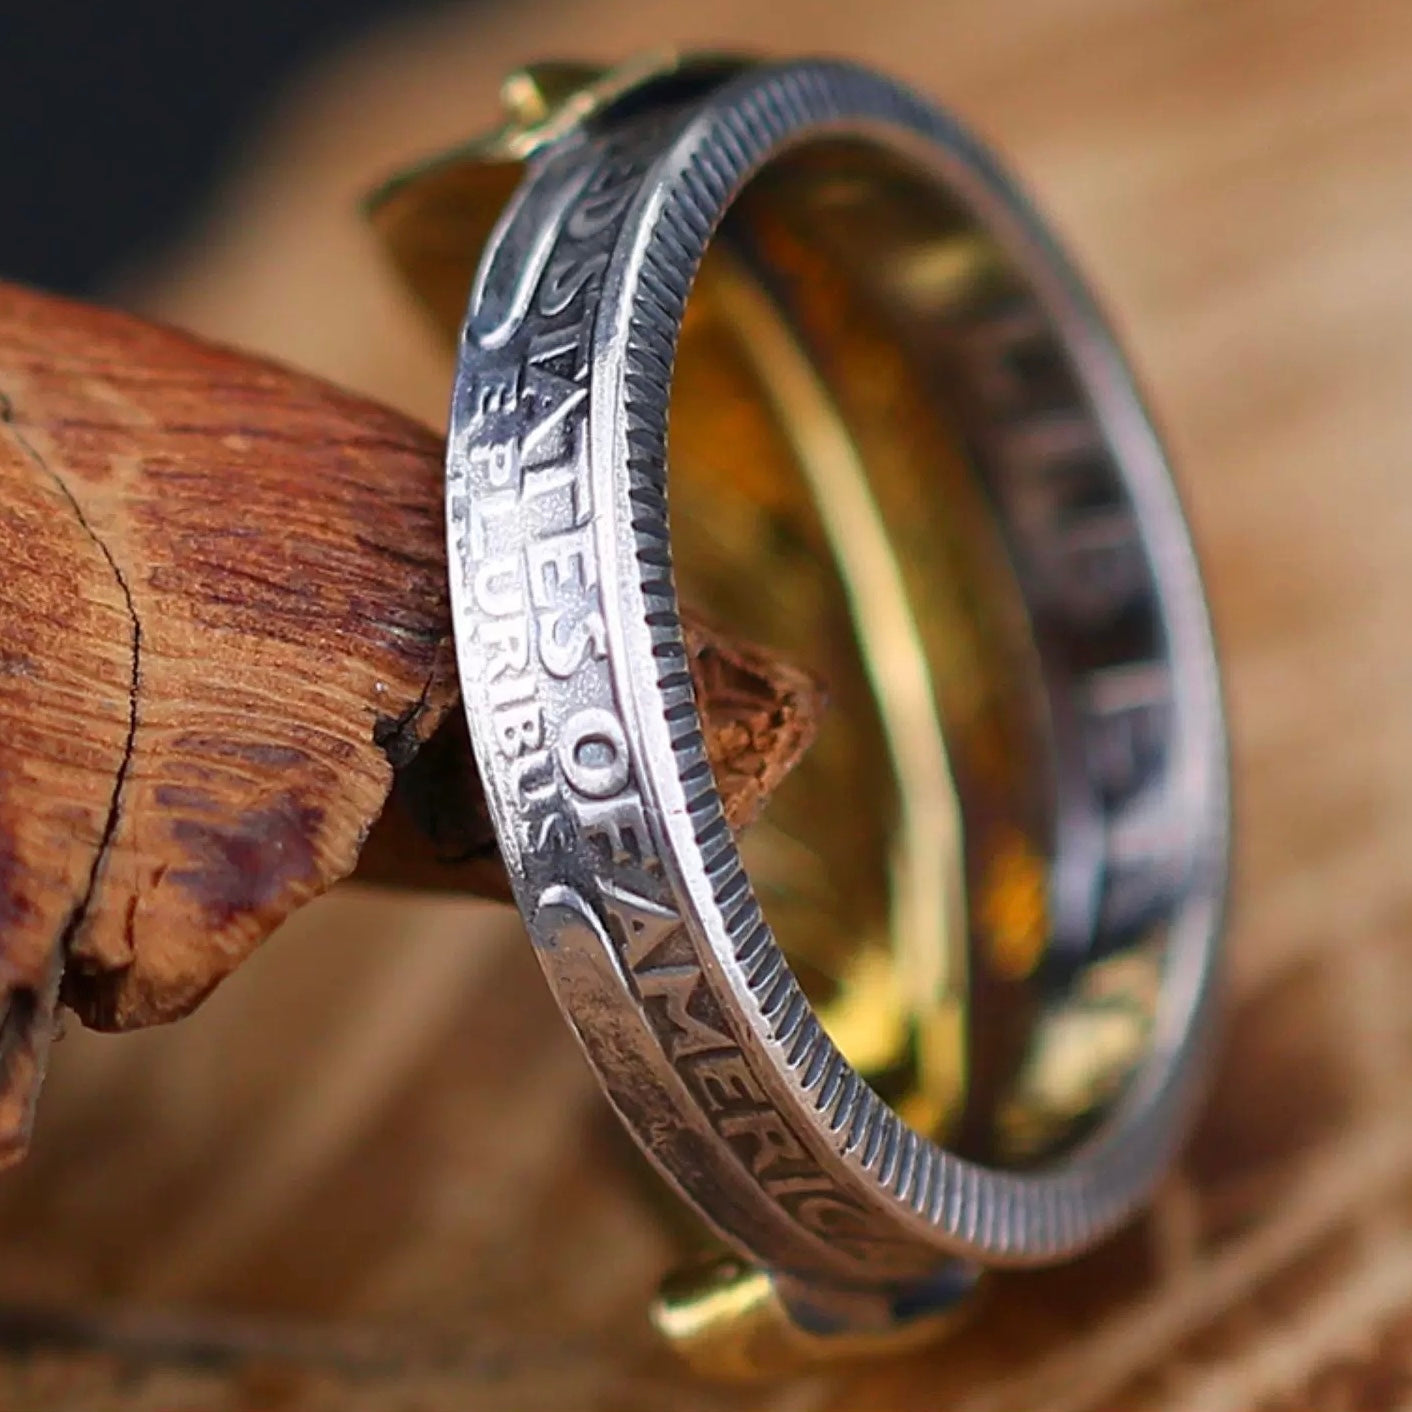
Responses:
[587,734]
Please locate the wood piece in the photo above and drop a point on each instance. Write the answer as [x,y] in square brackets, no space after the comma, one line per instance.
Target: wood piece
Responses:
[224,628]
[229,621]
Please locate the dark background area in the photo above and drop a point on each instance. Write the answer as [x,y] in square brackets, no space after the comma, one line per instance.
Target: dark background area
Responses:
[117,118]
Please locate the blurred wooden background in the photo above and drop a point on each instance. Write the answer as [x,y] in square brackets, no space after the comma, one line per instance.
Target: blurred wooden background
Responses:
[374,1160]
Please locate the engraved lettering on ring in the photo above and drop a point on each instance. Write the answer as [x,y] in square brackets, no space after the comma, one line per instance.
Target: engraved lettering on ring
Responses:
[593,753]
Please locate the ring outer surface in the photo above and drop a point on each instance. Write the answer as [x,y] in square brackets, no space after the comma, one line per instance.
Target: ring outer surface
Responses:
[581,710]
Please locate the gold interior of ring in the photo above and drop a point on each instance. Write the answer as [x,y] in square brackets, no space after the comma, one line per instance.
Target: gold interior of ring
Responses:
[822,504]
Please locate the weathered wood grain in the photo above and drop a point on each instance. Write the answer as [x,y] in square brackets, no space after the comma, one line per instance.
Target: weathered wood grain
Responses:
[236,625]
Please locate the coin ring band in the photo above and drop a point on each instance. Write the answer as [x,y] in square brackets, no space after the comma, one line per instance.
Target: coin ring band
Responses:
[586,731]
